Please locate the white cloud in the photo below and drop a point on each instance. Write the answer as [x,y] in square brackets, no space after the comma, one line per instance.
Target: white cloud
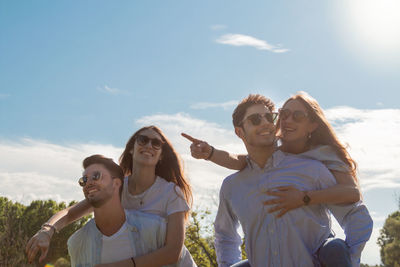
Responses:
[34,169]
[205,105]
[246,40]
[109,90]
[218,27]
[373,141]
[3,96]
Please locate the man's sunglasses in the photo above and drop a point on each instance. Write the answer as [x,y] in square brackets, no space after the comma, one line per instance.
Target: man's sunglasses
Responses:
[297,115]
[143,140]
[95,177]
[256,118]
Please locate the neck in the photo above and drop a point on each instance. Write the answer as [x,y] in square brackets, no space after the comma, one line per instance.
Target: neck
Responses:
[260,154]
[294,147]
[110,216]
[141,179]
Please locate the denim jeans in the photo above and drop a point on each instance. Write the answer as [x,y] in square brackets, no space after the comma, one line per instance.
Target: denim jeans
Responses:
[243,263]
[334,252]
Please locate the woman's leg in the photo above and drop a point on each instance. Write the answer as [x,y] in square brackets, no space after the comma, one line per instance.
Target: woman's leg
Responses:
[334,252]
[244,263]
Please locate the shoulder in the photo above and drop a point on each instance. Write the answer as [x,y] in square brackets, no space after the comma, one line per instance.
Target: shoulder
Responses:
[169,188]
[81,235]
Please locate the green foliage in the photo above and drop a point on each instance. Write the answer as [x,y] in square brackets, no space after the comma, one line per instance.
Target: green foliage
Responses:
[18,223]
[389,241]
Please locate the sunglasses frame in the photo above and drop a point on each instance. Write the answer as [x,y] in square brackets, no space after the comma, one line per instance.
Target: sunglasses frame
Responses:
[259,116]
[143,140]
[292,114]
[95,177]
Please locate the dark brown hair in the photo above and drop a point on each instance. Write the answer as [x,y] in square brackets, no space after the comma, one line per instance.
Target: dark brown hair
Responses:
[114,169]
[250,100]
[169,168]
[324,134]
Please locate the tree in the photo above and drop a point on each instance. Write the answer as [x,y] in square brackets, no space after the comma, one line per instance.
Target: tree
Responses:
[389,240]
[18,223]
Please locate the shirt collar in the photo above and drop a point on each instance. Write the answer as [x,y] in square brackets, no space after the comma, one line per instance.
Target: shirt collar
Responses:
[276,158]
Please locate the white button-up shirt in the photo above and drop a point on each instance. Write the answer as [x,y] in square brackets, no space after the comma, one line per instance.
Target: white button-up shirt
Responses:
[293,239]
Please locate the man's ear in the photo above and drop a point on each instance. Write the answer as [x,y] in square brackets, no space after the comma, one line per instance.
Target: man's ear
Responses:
[239,132]
[117,183]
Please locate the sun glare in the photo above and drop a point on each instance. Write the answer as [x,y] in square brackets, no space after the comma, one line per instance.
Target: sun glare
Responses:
[377,22]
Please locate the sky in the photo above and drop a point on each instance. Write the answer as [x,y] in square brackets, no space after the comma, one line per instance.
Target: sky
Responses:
[80,77]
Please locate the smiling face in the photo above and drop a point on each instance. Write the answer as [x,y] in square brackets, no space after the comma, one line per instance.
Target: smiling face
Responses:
[98,192]
[295,132]
[147,154]
[256,135]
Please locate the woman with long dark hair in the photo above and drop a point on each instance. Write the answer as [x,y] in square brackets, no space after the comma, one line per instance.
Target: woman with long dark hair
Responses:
[154,183]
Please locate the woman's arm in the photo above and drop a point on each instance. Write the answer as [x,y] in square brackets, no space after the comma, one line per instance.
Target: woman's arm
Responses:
[168,254]
[346,191]
[202,150]
[41,240]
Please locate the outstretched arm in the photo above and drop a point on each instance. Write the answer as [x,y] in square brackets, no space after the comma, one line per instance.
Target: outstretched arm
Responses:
[202,150]
[41,240]
[168,254]
[288,198]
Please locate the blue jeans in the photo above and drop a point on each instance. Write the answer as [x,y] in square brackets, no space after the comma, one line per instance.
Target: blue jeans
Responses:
[243,263]
[334,252]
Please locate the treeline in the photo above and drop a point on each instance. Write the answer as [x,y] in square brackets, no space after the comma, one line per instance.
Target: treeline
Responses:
[18,223]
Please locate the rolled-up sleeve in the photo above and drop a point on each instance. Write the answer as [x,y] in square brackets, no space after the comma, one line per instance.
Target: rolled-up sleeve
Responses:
[357,225]
[227,238]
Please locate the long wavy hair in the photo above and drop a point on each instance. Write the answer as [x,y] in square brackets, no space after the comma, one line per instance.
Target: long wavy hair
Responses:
[324,133]
[170,166]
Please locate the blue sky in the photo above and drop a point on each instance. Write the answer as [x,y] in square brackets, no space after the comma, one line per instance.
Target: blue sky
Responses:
[80,77]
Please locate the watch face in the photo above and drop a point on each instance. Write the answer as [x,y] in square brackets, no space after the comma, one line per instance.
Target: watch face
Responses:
[306,199]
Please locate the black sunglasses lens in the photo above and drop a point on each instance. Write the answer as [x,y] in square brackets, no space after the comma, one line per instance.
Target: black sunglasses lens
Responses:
[142,140]
[284,114]
[156,143]
[298,116]
[82,181]
[270,117]
[255,119]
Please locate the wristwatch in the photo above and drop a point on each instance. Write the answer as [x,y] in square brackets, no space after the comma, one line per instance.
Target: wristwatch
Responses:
[306,198]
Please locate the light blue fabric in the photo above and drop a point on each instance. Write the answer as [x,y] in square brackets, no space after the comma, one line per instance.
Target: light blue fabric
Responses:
[147,233]
[293,239]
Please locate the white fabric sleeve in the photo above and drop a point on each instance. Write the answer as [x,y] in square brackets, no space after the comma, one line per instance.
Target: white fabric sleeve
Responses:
[353,218]
[327,156]
[176,201]
[357,225]
[227,238]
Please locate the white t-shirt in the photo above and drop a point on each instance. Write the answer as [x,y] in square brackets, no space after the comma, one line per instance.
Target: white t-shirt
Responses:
[117,247]
[163,198]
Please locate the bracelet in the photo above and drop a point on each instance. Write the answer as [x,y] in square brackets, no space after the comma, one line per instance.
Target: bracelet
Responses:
[133,261]
[212,152]
[51,227]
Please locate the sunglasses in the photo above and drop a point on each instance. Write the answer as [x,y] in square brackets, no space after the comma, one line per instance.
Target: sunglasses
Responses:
[95,177]
[143,140]
[297,115]
[256,118]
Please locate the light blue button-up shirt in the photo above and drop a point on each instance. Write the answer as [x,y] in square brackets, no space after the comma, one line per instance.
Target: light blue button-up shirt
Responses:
[293,239]
[147,233]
